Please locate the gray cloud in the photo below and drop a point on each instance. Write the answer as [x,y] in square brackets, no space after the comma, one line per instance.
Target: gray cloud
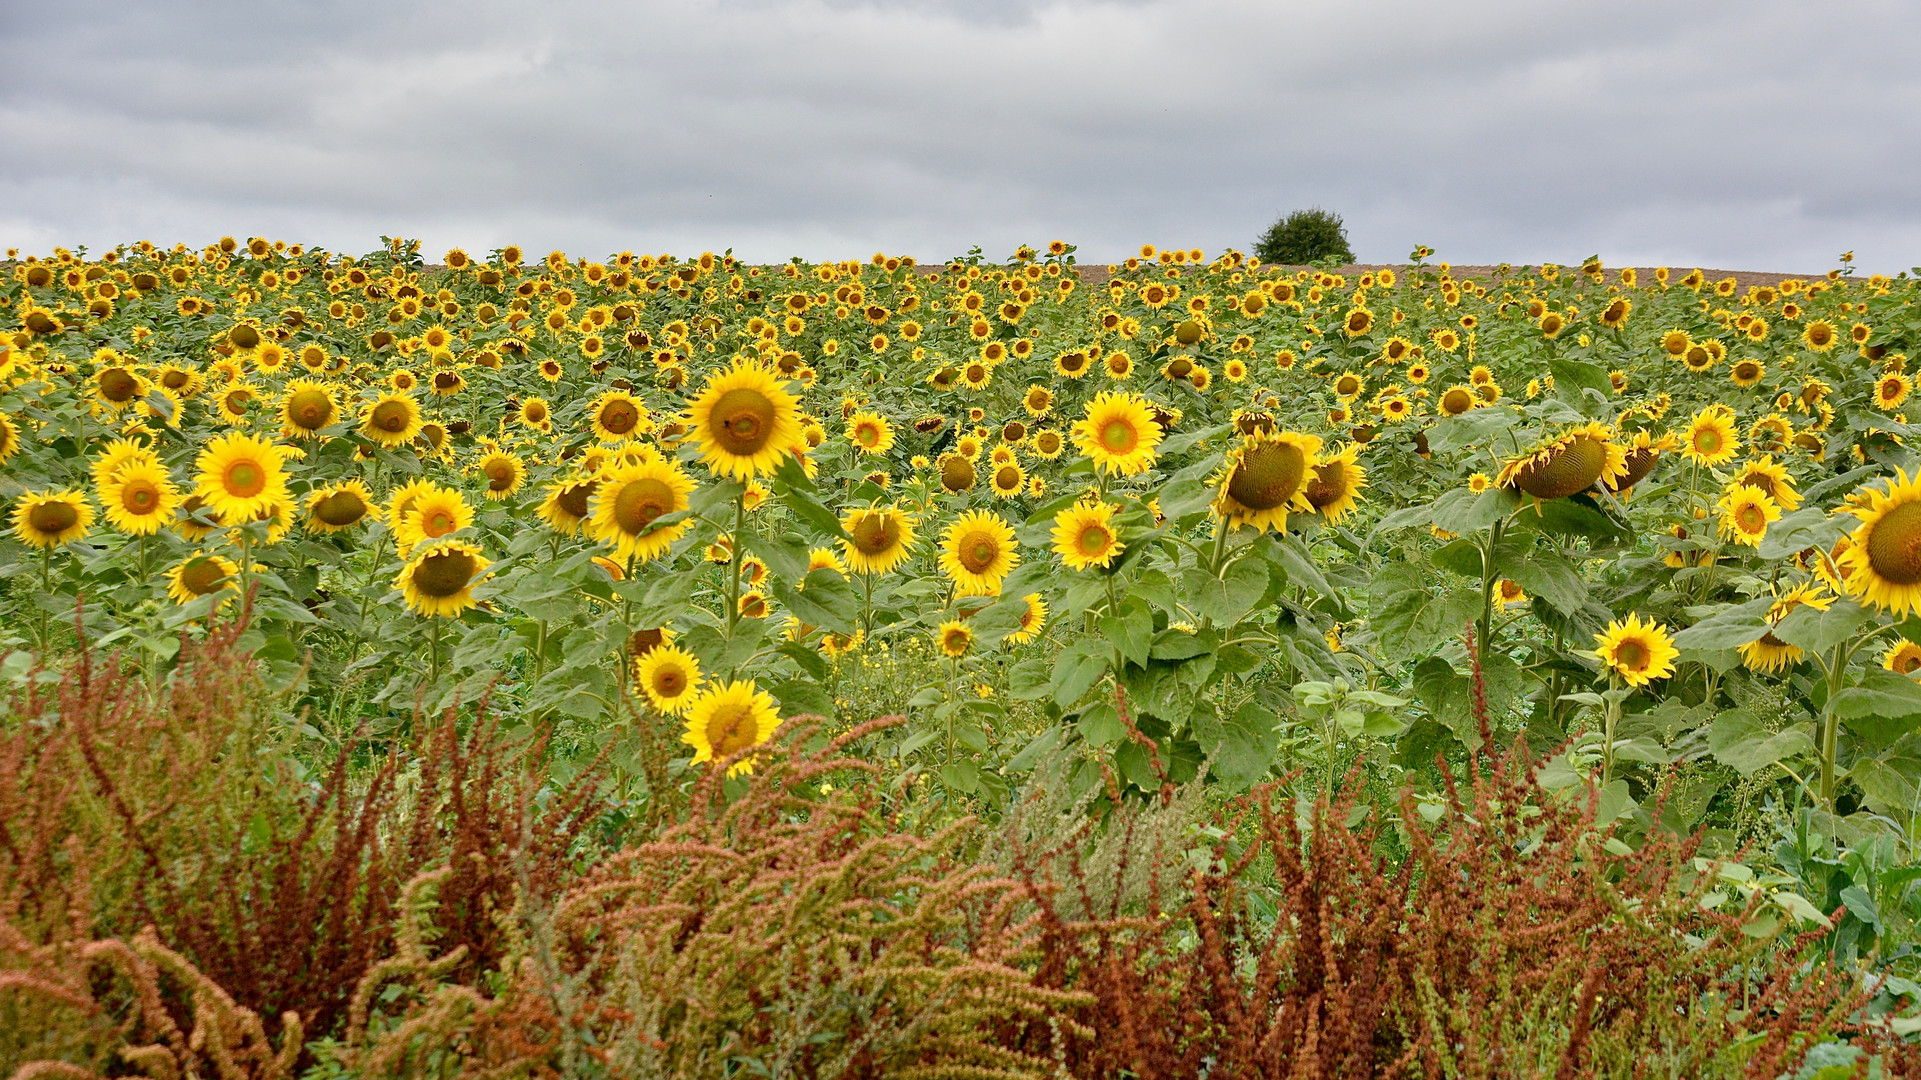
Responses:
[1763,135]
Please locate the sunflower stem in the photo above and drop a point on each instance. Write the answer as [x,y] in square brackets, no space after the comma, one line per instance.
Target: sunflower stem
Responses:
[733,593]
[434,680]
[1220,547]
[1607,733]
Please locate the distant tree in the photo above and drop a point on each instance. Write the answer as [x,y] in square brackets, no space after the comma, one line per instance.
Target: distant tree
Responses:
[1305,236]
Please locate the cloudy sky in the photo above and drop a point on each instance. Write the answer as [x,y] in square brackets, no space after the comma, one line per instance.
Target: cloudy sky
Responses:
[1760,135]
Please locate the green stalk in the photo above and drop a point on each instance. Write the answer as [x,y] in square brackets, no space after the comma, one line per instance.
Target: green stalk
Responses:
[733,593]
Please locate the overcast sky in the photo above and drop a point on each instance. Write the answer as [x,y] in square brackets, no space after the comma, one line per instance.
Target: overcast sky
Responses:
[1763,135]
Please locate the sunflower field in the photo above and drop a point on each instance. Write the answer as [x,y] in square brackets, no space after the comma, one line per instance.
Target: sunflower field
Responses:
[1176,532]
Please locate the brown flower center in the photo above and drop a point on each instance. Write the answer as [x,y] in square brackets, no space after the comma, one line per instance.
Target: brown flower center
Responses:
[744,421]
[639,502]
[875,533]
[1267,476]
[340,509]
[444,573]
[53,517]
[1894,544]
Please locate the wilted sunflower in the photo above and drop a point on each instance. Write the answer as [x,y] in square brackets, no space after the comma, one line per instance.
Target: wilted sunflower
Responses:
[978,552]
[47,519]
[870,433]
[1334,489]
[723,721]
[878,538]
[140,498]
[240,477]
[433,512]
[670,678]
[1746,513]
[504,472]
[955,639]
[1643,454]
[338,507]
[1769,653]
[1710,438]
[391,420]
[1882,563]
[1265,477]
[1085,535]
[631,496]
[199,575]
[616,416]
[746,422]
[1571,463]
[438,581]
[1118,433]
[1636,651]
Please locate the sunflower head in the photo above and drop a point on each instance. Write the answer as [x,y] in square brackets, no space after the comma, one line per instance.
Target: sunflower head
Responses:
[48,519]
[746,422]
[878,538]
[669,677]
[1085,535]
[726,721]
[1265,477]
[1334,489]
[338,507]
[631,496]
[1119,433]
[955,638]
[1568,464]
[1636,651]
[977,552]
[438,581]
[1882,564]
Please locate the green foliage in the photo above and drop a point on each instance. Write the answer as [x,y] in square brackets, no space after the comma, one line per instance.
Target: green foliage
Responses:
[1305,236]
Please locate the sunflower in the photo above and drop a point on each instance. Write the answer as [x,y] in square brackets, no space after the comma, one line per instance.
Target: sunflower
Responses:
[1903,657]
[629,499]
[1265,477]
[977,552]
[140,498]
[1334,489]
[434,513]
[1819,335]
[567,505]
[504,472]
[723,721]
[240,477]
[1710,438]
[1118,433]
[669,676]
[877,538]
[1747,372]
[1007,479]
[1458,399]
[201,574]
[1773,480]
[1643,454]
[870,432]
[1047,443]
[391,420]
[1769,653]
[1746,513]
[1882,563]
[234,401]
[1891,390]
[1085,535]
[536,413]
[1635,650]
[1571,463]
[746,422]
[438,581]
[47,519]
[307,406]
[616,416]
[955,639]
[338,507]
[1509,591]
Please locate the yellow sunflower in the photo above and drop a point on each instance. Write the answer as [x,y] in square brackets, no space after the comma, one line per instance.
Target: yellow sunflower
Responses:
[433,513]
[306,407]
[1882,563]
[977,553]
[723,721]
[1903,657]
[338,507]
[240,477]
[47,519]
[1773,480]
[616,416]
[878,538]
[1457,399]
[669,676]
[438,581]
[870,433]
[391,420]
[746,422]
[1033,620]
[568,505]
[1746,513]
[955,639]
[1085,535]
[1571,463]
[1769,653]
[631,496]
[1819,335]
[140,498]
[1008,479]
[504,472]
[1118,433]
[1265,477]
[1710,438]
[1891,389]
[1637,651]
[201,574]
[1334,489]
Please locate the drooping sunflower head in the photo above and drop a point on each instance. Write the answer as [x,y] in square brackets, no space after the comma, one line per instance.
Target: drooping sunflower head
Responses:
[438,580]
[1266,476]
[727,720]
[338,507]
[1118,433]
[1636,651]
[1568,464]
[1334,489]
[1643,453]
[977,553]
[201,574]
[1882,564]
[746,422]
[878,538]
[670,678]
[48,519]
[631,496]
